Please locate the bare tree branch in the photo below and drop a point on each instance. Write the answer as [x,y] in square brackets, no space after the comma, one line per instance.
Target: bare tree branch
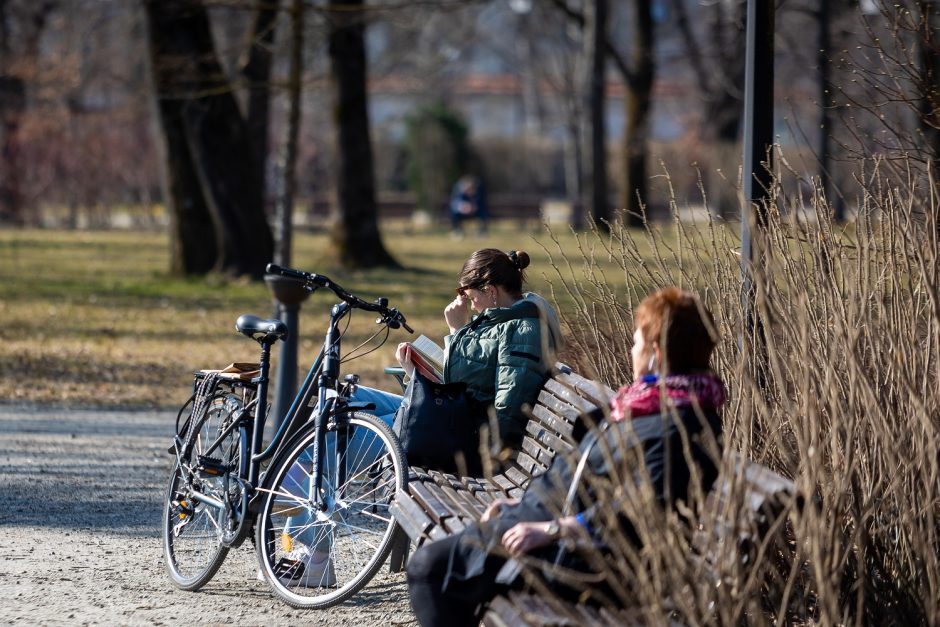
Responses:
[609,47]
[694,55]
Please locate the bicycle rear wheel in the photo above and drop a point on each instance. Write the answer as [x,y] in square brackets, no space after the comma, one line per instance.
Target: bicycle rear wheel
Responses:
[192,529]
[317,552]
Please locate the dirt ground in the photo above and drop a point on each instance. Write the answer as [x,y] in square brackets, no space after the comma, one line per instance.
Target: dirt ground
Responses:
[80,534]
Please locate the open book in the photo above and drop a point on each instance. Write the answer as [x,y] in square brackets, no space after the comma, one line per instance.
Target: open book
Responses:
[427,357]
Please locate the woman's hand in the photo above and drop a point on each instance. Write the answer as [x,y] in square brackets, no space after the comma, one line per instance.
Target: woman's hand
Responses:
[495,507]
[527,536]
[456,313]
[403,353]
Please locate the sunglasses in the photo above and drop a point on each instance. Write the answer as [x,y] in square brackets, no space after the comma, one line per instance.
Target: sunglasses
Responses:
[462,290]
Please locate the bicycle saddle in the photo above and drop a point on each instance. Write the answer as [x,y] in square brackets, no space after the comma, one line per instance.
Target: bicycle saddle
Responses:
[261,330]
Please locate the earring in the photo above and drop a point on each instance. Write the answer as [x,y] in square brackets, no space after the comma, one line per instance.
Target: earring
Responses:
[651,366]
[494,296]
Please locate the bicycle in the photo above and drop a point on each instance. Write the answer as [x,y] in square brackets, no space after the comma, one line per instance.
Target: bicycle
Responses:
[329,472]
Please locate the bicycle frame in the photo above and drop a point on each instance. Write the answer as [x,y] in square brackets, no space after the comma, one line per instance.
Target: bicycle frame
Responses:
[320,379]
[224,487]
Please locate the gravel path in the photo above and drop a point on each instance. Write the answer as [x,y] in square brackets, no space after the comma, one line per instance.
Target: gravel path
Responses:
[80,534]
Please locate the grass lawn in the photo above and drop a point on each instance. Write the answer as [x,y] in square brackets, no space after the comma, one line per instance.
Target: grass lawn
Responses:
[93,318]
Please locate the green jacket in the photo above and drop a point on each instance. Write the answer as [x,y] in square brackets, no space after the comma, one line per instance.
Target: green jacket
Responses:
[500,356]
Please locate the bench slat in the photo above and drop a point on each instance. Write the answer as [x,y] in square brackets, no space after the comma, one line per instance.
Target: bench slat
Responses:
[564,392]
[528,465]
[410,515]
[548,440]
[503,482]
[437,532]
[454,525]
[429,502]
[517,476]
[566,412]
[463,505]
[595,392]
[542,454]
[551,423]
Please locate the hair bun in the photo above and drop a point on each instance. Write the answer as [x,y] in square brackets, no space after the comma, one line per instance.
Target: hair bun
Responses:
[519,259]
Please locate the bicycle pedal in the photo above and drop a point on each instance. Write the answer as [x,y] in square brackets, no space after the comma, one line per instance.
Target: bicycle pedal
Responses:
[211,466]
[183,509]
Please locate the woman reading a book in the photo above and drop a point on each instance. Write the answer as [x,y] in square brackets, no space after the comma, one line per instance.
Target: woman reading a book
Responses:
[506,352]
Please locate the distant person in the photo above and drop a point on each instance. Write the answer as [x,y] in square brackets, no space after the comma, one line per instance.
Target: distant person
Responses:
[468,201]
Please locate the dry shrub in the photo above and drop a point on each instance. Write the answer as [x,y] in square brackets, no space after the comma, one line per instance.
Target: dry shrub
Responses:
[845,401]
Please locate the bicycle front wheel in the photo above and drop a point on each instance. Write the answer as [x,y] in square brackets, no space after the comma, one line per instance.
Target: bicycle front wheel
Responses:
[317,548]
[193,529]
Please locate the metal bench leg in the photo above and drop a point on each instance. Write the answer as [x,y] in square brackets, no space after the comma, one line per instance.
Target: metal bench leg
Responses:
[401,547]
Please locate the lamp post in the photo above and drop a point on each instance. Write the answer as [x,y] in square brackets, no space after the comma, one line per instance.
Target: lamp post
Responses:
[758,125]
[758,172]
[288,295]
[758,135]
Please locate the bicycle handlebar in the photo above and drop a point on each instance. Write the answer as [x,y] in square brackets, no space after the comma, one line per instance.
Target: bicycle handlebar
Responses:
[312,281]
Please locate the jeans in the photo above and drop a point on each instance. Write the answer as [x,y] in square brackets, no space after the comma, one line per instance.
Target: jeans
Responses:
[299,477]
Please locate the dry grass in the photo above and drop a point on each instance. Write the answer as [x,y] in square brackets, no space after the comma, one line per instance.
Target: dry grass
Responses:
[846,402]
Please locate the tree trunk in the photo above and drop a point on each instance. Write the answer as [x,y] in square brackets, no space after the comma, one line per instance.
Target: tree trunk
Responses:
[257,72]
[211,181]
[929,101]
[29,27]
[637,102]
[595,170]
[355,234]
[721,85]
[12,106]
[285,203]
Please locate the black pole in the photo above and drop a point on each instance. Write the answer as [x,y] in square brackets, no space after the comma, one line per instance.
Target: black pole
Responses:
[288,295]
[758,171]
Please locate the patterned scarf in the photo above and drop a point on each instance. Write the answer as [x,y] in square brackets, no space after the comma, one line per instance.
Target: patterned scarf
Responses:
[641,398]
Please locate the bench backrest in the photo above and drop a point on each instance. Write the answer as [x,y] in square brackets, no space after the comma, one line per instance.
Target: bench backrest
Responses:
[438,504]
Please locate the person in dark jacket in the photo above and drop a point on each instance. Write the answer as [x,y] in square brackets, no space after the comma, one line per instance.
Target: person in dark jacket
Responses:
[506,352]
[468,200]
[668,418]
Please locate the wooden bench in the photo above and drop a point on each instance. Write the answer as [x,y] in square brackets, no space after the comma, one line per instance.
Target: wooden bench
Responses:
[439,504]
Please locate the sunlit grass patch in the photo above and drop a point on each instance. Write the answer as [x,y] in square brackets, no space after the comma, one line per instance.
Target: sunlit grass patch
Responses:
[94,318]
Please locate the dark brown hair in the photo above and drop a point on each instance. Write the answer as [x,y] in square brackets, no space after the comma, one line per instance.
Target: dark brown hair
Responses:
[494,267]
[682,326]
